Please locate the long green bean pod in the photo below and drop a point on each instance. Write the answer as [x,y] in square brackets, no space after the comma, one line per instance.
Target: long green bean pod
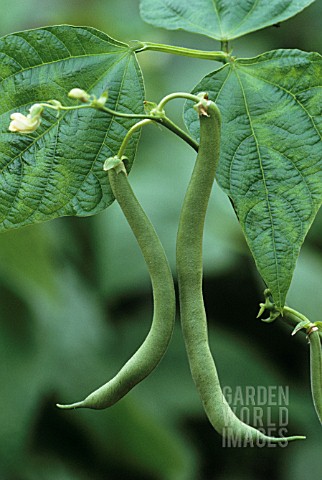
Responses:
[189,271]
[149,354]
[316,369]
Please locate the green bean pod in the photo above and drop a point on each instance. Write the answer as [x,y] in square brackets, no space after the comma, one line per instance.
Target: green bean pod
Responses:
[189,272]
[149,354]
[316,370]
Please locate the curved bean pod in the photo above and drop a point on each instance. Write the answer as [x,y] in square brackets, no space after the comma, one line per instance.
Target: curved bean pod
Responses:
[147,357]
[189,271]
[316,370]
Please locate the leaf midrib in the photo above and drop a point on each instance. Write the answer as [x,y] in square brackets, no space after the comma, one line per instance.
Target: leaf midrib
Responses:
[289,93]
[196,25]
[264,183]
[231,32]
[219,18]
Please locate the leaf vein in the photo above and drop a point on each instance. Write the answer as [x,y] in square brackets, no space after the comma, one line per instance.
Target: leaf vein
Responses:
[264,183]
[296,100]
[304,179]
[245,17]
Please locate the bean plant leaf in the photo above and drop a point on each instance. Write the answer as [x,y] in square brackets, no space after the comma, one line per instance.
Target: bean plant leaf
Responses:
[219,19]
[58,169]
[271,153]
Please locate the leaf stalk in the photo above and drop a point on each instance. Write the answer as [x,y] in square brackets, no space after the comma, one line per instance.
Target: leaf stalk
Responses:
[174,50]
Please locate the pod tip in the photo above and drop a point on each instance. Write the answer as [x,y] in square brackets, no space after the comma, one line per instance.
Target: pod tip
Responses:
[72,406]
[295,437]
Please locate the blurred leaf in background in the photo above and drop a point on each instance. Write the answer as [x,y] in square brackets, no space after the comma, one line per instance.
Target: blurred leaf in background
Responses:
[75,303]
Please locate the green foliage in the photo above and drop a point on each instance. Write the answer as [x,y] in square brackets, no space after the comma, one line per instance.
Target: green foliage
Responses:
[271,153]
[219,19]
[58,325]
[57,170]
[271,148]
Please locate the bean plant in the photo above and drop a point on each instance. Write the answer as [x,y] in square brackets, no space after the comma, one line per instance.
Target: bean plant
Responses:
[72,107]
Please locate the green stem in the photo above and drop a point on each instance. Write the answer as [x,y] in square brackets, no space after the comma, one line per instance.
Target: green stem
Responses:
[224,46]
[316,370]
[160,117]
[288,315]
[166,122]
[189,271]
[289,312]
[129,134]
[126,115]
[100,107]
[187,52]
[174,96]
[147,357]
[293,318]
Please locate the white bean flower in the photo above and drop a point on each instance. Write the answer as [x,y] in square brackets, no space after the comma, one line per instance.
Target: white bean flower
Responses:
[79,94]
[26,124]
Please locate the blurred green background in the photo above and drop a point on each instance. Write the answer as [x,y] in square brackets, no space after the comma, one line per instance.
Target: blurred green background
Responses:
[75,302]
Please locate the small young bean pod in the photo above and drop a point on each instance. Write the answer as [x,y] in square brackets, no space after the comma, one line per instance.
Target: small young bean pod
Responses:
[189,271]
[316,369]
[149,354]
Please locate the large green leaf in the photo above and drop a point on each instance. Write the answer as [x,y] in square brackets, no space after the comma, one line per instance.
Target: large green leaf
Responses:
[271,153]
[58,170]
[219,19]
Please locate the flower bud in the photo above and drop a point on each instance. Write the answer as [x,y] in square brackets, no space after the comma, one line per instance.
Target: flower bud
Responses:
[100,101]
[79,94]
[55,103]
[35,110]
